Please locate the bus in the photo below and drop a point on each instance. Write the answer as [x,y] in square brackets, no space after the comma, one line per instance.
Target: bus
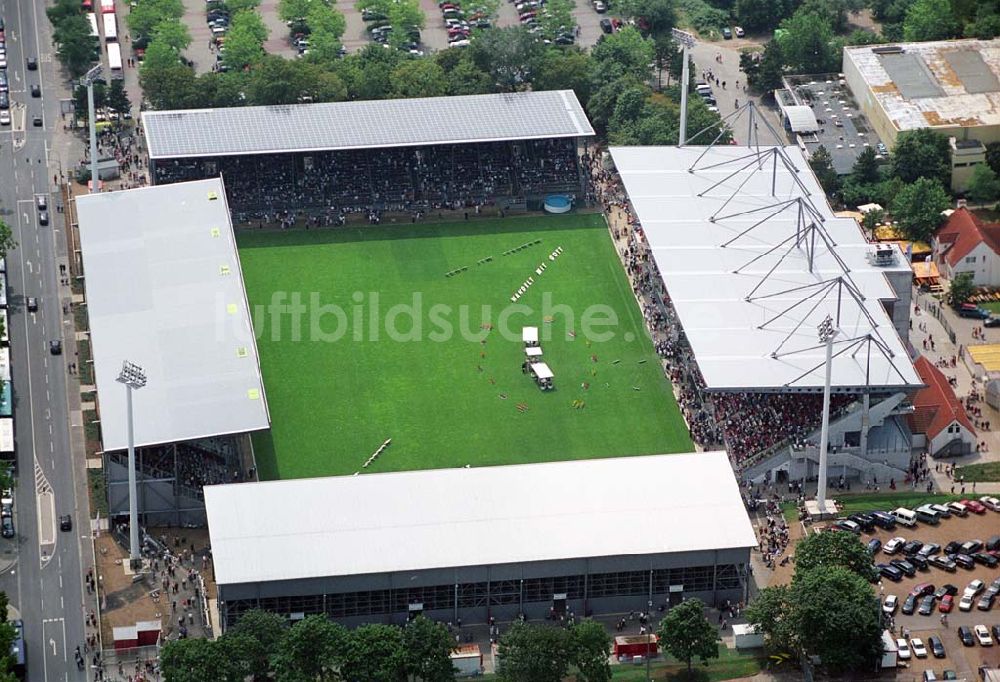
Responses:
[7,438]
[115,60]
[92,18]
[17,654]
[107,6]
[110,28]
[3,290]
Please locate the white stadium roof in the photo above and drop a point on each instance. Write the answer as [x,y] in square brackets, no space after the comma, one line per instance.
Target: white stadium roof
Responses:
[364,124]
[752,324]
[409,521]
[165,291]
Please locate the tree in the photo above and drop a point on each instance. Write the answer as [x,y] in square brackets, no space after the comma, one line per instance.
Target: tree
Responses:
[172,33]
[245,40]
[917,208]
[623,53]
[80,105]
[770,612]
[836,617]
[929,20]
[557,18]
[196,660]
[686,633]
[764,70]
[534,653]
[465,78]
[807,43]
[263,632]
[427,647]
[235,6]
[419,78]
[591,647]
[507,55]
[567,69]
[961,289]
[822,164]
[871,220]
[375,653]
[656,17]
[312,649]
[7,244]
[77,49]
[761,15]
[148,14]
[984,186]
[62,9]
[834,549]
[993,156]
[117,98]
[865,169]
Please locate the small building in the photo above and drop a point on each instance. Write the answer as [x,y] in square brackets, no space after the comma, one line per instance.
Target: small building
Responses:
[746,636]
[538,540]
[965,156]
[627,646]
[967,244]
[939,416]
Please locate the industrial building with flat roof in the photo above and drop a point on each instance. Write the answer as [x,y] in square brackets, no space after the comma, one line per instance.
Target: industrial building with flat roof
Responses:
[952,86]
[591,537]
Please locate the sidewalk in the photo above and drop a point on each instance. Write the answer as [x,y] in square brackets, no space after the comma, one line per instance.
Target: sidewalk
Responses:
[946,349]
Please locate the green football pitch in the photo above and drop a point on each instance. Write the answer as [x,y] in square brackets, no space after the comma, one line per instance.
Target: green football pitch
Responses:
[435,363]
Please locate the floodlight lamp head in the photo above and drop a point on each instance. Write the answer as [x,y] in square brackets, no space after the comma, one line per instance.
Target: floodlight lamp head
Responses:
[92,75]
[827,329]
[132,375]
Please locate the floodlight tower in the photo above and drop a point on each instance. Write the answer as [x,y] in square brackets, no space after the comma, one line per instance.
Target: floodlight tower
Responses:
[686,41]
[827,333]
[134,378]
[88,80]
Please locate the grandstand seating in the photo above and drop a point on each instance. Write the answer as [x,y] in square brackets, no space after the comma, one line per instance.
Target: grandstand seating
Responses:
[393,179]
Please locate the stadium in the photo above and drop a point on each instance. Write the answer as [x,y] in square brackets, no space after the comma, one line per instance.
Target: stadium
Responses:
[327,294]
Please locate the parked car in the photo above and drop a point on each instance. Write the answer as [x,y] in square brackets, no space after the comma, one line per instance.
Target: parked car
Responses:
[927,605]
[739,31]
[958,509]
[973,506]
[890,604]
[965,635]
[986,559]
[912,547]
[727,33]
[919,561]
[919,650]
[946,590]
[909,605]
[905,567]
[874,545]
[929,549]
[894,545]
[965,603]
[947,604]
[990,502]
[975,587]
[904,653]
[971,310]
[937,647]
[985,602]
[983,636]
[923,590]
[963,560]
[970,547]
[943,562]
[600,7]
[848,525]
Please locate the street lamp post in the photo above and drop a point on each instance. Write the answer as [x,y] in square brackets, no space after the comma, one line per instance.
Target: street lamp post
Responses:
[686,41]
[88,80]
[134,378]
[827,333]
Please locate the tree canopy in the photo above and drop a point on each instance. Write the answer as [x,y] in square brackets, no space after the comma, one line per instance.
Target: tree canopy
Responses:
[921,153]
[917,208]
[687,634]
[834,549]
[984,186]
[929,20]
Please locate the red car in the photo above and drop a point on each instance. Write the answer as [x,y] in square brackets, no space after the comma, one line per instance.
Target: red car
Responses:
[922,590]
[974,507]
[947,604]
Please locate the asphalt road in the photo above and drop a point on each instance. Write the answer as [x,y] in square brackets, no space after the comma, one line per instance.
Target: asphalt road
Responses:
[46,583]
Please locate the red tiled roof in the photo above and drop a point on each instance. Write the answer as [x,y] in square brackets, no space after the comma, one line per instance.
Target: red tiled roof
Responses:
[964,231]
[936,406]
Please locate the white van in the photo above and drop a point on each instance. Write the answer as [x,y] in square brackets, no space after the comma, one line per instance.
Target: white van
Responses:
[905,517]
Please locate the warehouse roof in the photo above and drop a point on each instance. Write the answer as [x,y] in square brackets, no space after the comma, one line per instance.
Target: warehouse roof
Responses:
[364,124]
[734,257]
[802,119]
[944,83]
[165,291]
[408,521]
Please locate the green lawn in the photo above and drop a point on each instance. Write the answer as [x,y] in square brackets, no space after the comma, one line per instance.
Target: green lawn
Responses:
[460,398]
[730,665]
[992,306]
[987,471]
[853,504]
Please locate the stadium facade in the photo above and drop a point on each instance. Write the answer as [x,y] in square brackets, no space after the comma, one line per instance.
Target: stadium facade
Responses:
[588,537]
[164,290]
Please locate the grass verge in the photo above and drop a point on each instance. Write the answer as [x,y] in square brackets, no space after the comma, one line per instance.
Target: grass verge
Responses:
[986,471]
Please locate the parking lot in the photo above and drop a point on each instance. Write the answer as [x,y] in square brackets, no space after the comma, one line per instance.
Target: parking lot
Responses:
[964,660]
